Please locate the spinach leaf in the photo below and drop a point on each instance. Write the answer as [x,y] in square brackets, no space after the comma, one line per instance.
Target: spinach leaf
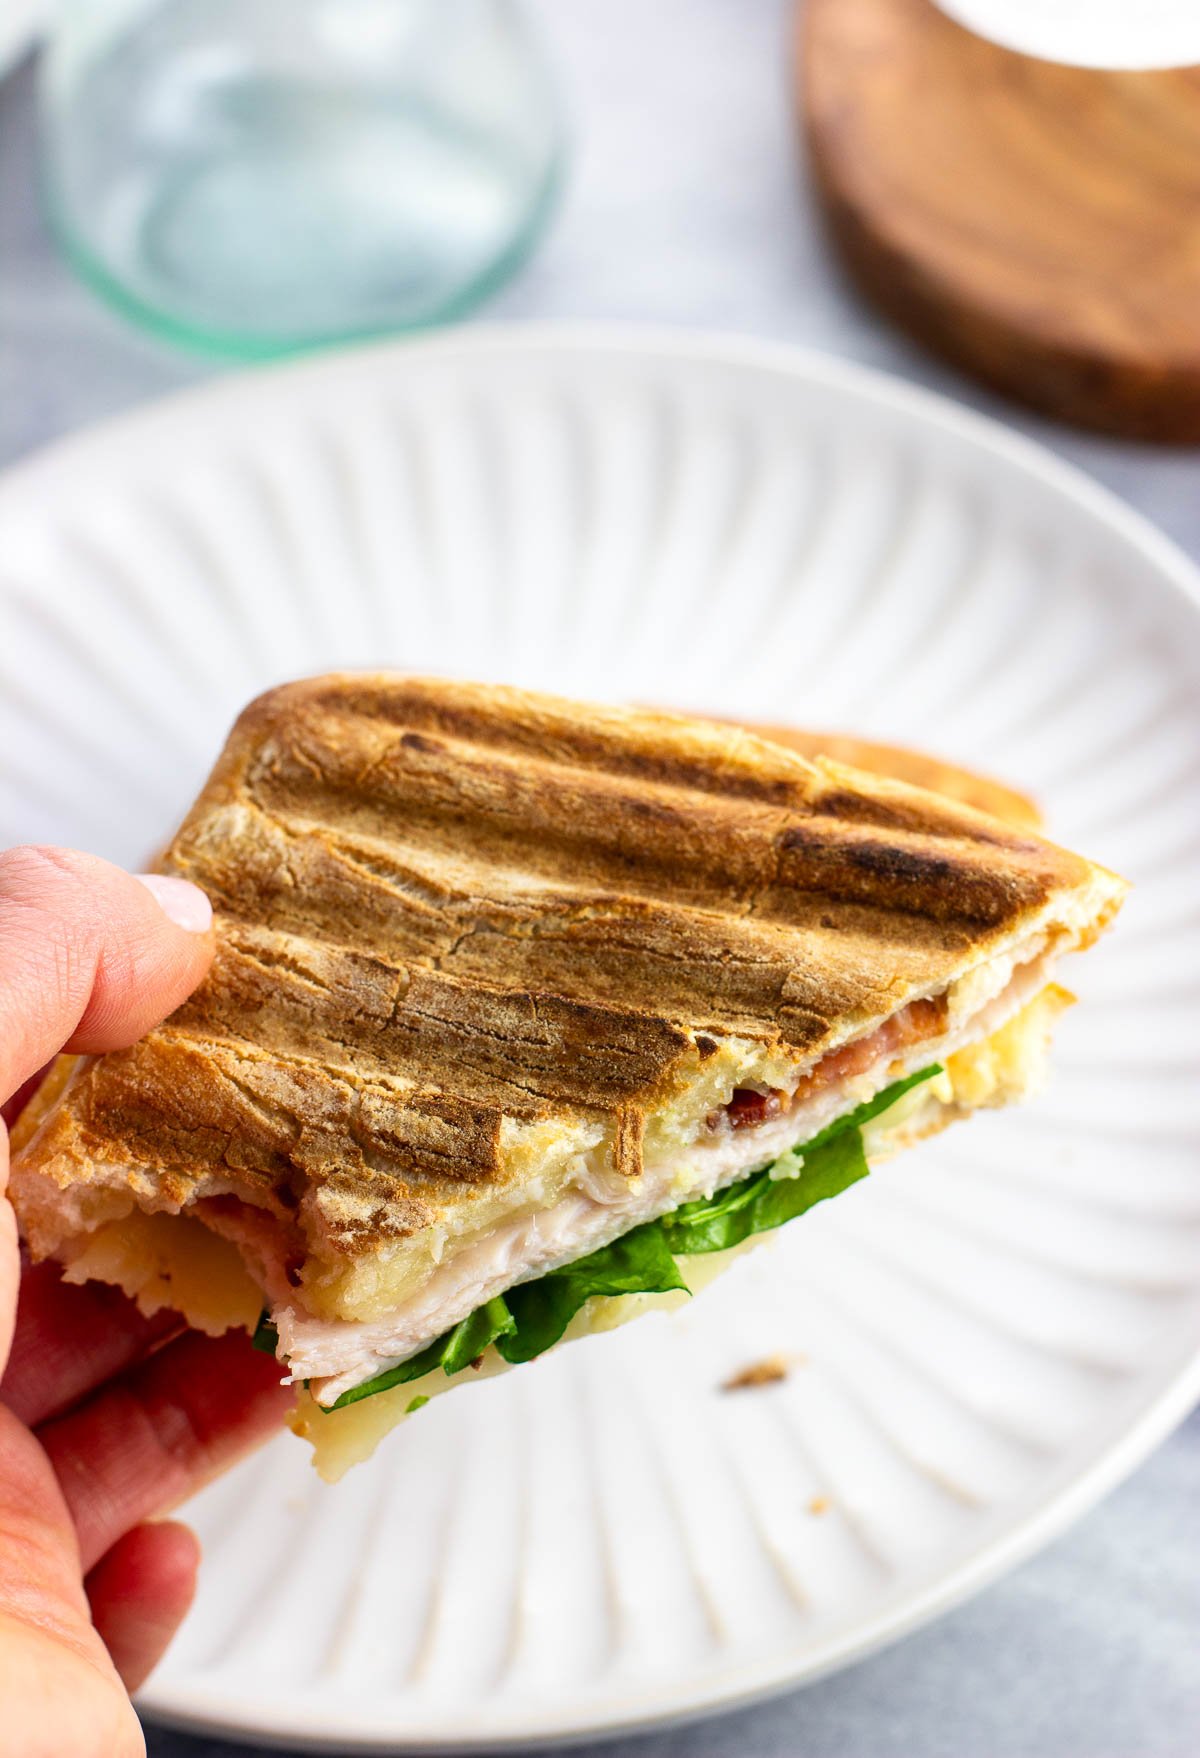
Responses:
[468,1340]
[872,1107]
[765,1202]
[530,1318]
[640,1262]
[830,1163]
[452,1352]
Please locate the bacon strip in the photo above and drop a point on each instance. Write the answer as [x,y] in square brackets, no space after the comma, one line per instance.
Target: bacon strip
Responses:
[748,1106]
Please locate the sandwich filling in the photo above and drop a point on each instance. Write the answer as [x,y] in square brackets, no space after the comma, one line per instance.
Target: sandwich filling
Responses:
[341,1358]
[661,1264]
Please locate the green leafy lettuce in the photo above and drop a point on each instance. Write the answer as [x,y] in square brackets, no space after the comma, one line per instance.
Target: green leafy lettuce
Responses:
[825,1166]
[532,1317]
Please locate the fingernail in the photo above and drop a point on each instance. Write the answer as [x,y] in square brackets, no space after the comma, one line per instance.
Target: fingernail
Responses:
[184,902]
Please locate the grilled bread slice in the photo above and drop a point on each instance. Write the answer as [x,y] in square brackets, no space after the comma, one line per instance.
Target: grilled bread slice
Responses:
[915,767]
[508,987]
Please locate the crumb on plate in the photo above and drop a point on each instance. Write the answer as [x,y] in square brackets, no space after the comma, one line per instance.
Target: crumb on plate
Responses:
[767,1372]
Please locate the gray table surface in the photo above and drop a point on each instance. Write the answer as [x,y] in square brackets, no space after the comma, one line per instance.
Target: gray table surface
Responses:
[686,206]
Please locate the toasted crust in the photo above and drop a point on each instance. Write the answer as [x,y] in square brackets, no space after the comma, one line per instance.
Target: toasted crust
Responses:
[449,912]
[915,767]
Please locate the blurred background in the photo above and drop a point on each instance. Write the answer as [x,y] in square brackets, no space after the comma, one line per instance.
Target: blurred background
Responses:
[685,201]
[679,195]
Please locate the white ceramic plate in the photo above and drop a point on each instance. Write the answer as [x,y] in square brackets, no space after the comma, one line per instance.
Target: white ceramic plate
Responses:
[993,1329]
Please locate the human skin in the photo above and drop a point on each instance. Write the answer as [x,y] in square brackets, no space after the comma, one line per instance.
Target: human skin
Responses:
[107,1418]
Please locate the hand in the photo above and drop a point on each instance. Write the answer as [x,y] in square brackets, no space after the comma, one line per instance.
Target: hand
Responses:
[107,1417]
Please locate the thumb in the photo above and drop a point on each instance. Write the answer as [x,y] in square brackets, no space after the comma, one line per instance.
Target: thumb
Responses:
[90,957]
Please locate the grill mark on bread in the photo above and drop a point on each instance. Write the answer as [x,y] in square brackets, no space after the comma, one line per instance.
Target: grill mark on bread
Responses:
[938,778]
[554,821]
[650,953]
[946,883]
[530,1053]
[441,906]
[660,749]
[921,819]
[550,821]
[297,1134]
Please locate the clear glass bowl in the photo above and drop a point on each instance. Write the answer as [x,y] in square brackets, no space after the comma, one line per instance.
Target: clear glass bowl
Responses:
[256,176]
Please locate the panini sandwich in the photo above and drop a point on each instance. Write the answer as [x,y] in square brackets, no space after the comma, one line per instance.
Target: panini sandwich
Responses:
[526,1015]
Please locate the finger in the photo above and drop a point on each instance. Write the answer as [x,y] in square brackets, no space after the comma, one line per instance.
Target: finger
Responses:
[140,1593]
[58,1689]
[156,1435]
[89,956]
[10,1258]
[69,1340]
[12,1108]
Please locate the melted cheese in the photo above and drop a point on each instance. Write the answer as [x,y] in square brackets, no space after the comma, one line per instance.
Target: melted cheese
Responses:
[174,1261]
[171,1261]
[995,1071]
